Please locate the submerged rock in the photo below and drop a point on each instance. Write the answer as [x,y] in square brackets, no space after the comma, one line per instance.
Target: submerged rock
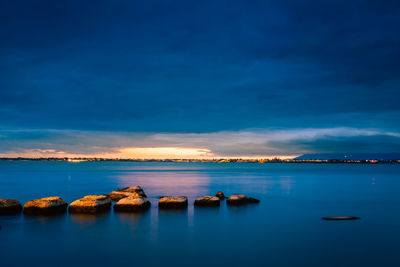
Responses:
[130,204]
[238,199]
[45,206]
[135,191]
[10,206]
[340,218]
[207,201]
[180,202]
[220,195]
[90,204]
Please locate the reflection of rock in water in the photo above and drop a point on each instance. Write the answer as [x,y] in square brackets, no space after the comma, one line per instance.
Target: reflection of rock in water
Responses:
[45,206]
[87,218]
[131,217]
[175,212]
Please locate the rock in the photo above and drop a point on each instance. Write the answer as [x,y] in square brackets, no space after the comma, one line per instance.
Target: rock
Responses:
[10,206]
[90,204]
[207,201]
[340,218]
[220,195]
[135,191]
[130,204]
[45,206]
[180,202]
[238,199]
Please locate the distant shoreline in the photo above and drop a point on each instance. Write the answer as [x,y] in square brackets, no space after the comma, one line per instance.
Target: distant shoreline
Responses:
[332,161]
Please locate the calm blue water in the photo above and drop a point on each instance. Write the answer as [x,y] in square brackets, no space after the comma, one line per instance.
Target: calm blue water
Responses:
[285,229]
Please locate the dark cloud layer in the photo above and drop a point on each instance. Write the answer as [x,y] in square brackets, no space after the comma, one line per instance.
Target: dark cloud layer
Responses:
[199,66]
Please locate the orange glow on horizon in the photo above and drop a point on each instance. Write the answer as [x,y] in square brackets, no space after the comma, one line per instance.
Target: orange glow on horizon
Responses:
[140,153]
[163,152]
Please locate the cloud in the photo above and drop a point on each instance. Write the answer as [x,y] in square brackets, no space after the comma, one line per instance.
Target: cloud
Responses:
[244,143]
[200,67]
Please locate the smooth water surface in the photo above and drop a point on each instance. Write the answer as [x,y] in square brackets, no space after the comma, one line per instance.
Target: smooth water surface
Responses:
[285,229]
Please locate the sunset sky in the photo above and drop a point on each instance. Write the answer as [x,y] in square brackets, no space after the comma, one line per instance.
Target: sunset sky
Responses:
[198,79]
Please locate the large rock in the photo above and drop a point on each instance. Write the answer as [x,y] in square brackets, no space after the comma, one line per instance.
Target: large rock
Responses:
[90,204]
[45,206]
[180,202]
[207,201]
[10,206]
[132,204]
[220,195]
[238,199]
[135,191]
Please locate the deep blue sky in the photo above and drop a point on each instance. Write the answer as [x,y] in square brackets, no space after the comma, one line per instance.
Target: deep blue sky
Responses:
[138,68]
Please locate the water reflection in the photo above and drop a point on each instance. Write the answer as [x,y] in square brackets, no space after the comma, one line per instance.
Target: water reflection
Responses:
[172,225]
[293,199]
[166,183]
[87,219]
[132,224]
[131,218]
[286,183]
[43,219]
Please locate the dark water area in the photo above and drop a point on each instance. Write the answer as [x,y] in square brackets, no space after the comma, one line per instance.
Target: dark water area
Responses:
[284,229]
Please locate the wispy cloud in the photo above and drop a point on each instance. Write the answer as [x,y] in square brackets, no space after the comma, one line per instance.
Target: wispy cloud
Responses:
[244,143]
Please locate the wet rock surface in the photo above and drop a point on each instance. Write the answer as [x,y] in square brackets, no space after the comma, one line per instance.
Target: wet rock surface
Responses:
[90,204]
[45,206]
[239,199]
[207,201]
[220,195]
[132,204]
[135,191]
[10,206]
[173,202]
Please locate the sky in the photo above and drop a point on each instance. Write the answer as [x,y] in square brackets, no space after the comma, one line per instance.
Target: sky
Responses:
[199,79]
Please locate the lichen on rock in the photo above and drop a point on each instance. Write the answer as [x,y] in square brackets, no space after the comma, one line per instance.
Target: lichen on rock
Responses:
[173,202]
[90,204]
[207,201]
[239,199]
[134,191]
[45,206]
[132,204]
[10,206]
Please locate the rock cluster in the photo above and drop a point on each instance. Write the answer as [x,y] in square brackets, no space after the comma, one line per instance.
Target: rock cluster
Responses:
[238,199]
[132,204]
[129,199]
[207,201]
[173,202]
[135,191]
[45,206]
[90,204]
[10,206]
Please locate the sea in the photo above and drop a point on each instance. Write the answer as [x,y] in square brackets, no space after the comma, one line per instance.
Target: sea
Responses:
[285,229]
